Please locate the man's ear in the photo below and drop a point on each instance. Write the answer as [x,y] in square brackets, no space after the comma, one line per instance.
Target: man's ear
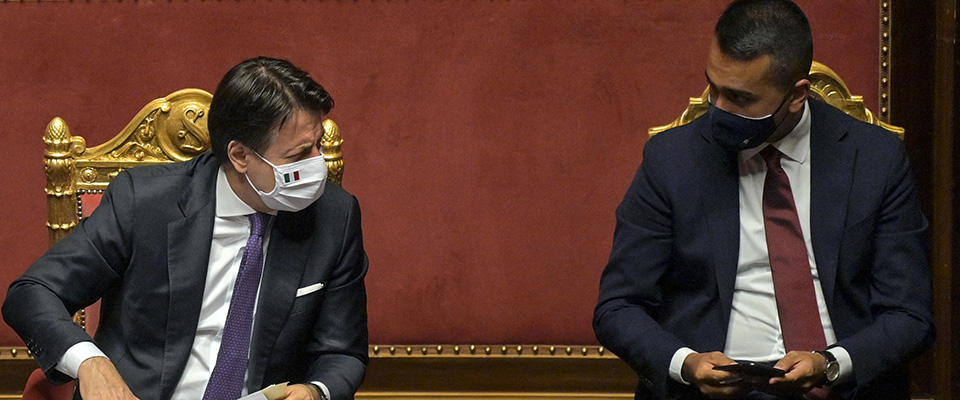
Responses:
[237,154]
[801,92]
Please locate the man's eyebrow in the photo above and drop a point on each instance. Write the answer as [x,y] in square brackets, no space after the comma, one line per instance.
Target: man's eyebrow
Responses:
[739,93]
[299,149]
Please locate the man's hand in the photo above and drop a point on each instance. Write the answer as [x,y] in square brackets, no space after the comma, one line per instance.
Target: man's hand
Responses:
[301,392]
[805,370]
[99,380]
[698,370]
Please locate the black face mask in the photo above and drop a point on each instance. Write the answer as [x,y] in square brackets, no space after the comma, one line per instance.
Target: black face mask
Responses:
[736,132]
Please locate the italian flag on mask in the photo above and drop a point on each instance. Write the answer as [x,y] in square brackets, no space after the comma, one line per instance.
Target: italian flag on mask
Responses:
[291,176]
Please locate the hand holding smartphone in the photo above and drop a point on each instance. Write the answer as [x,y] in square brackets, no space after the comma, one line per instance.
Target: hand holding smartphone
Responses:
[750,369]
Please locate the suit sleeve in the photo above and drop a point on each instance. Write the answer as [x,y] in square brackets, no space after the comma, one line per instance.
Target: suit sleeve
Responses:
[74,273]
[900,292]
[629,290]
[340,333]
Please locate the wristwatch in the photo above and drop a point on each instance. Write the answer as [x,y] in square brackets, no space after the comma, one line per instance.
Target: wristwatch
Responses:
[833,367]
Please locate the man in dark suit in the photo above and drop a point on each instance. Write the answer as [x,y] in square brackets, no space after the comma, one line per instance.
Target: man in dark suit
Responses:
[218,276]
[702,271]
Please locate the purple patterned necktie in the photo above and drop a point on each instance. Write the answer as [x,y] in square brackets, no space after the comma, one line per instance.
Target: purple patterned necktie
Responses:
[226,381]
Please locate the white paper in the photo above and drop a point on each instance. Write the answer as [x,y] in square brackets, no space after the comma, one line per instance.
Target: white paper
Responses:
[272,392]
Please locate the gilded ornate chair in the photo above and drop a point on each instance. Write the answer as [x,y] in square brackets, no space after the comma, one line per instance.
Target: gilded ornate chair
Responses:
[166,130]
[825,85]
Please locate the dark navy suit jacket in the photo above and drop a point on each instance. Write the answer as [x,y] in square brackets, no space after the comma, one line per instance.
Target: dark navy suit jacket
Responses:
[670,278]
[145,250]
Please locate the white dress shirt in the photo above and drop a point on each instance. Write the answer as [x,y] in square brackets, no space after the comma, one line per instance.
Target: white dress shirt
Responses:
[231,229]
[754,331]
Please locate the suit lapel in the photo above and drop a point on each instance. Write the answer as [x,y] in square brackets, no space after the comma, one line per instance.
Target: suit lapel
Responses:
[831,175]
[720,198]
[188,254]
[286,260]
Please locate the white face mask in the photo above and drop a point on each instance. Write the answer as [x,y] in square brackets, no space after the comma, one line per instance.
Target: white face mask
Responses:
[298,184]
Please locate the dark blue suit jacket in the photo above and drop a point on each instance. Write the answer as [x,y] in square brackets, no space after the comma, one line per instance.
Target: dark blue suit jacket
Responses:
[145,250]
[670,278]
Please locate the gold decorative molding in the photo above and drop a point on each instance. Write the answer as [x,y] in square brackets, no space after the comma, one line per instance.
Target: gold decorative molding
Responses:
[439,351]
[489,350]
[330,145]
[509,371]
[168,129]
[488,396]
[697,107]
[15,353]
[825,85]
[16,364]
[886,51]
[439,372]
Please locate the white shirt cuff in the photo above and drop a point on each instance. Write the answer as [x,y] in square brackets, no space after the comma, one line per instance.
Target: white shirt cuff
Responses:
[70,362]
[676,364]
[846,363]
[326,392]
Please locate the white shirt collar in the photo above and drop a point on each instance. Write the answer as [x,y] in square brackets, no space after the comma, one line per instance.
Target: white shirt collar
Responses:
[796,145]
[228,203]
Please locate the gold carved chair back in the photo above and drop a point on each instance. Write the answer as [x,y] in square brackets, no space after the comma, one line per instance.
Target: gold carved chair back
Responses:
[166,130]
[825,85]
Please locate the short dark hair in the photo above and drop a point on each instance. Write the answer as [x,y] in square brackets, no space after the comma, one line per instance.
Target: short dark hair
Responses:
[257,95]
[752,28]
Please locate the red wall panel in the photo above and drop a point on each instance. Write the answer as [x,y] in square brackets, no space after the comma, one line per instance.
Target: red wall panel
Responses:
[488,141]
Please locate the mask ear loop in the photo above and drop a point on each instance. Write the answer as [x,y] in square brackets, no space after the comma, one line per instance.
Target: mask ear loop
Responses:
[776,127]
[264,159]
[276,185]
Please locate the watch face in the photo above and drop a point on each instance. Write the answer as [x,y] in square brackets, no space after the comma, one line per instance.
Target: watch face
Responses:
[833,371]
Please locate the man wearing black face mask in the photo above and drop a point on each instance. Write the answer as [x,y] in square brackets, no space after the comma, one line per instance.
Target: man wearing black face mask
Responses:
[774,230]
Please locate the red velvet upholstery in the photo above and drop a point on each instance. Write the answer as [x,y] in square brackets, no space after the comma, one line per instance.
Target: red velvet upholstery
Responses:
[39,388]
[488,142]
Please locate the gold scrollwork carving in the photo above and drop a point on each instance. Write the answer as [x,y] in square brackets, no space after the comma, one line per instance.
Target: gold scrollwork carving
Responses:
[89,175]
[142,146]
[59,154]
[173,128]
[146,131]
[59,143]
[825,85]
[61,227]
[330,145]
[58,173]
[184,125]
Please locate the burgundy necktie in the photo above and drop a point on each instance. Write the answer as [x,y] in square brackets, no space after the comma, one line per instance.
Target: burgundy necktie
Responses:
[792,279]
[226,381]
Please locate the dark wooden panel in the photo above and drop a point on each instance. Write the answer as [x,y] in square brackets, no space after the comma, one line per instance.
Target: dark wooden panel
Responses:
[924,98]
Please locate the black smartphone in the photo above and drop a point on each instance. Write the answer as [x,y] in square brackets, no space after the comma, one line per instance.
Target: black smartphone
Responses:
[752,369]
